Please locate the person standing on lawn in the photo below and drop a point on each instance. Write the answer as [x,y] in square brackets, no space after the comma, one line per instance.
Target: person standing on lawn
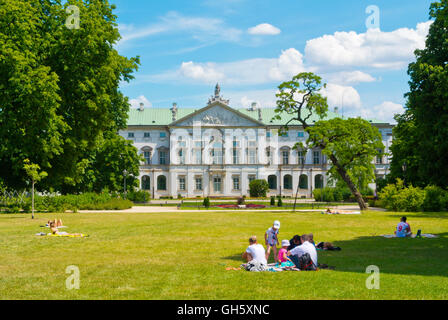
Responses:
[271,240]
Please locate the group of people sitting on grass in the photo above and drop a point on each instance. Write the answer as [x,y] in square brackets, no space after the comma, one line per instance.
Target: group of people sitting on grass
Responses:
[300,251]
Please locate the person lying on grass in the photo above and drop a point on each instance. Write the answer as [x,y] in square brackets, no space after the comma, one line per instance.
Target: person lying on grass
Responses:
[57,223]
[305,255]
[403,229]
[255,256]
[271,240]
[54,230]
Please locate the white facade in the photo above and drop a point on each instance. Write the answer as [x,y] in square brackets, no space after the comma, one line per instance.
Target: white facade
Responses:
[217,151]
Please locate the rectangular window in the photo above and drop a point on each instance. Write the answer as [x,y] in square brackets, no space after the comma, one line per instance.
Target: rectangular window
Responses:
[131,135]
[198,184]
[197,156]
[147,156]
[316,157]
[181,157]
[162,157]
[285,157]
[217,156]
[379,157]
[217,184]
[301,134]
[252,156]
[147,135]
[251,178]
[236,183]
[162,134]
[268,134]
[182,185]
[236,159]
[301,156]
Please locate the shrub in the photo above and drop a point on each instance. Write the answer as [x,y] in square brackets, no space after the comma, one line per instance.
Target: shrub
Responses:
[258,188]
[206,203]
[435,199]
[241,201]
[398,198]
[280,202]
[140,196]
[272,201]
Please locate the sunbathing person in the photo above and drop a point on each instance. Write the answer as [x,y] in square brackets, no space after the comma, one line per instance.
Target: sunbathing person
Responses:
[55,231]
[403,229]
[57,223]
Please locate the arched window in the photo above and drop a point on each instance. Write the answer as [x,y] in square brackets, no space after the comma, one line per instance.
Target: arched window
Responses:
[303,182]
[287,182]
[272,180]
[318,181]
[146,183]
[161,183]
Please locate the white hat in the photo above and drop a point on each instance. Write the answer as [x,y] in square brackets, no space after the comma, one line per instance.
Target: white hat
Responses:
[286,243]
[277,224]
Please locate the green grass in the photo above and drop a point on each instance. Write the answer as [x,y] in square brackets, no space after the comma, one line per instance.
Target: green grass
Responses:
[184,256]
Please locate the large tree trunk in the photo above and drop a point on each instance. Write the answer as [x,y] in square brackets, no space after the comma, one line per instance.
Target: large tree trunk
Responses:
[343,173]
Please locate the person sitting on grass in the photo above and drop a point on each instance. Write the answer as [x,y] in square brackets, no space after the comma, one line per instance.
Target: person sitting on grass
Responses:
[271,240]
[283,253]
[57,222]
[255,256]
[403,229]
[304,256]
[294,242]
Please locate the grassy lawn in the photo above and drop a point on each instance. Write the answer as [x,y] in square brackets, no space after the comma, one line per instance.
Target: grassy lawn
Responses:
[184,256]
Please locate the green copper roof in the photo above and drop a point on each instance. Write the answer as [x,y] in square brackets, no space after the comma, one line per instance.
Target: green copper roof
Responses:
[163,116]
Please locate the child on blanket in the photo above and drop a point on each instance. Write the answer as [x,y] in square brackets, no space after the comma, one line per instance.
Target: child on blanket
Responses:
[283,253]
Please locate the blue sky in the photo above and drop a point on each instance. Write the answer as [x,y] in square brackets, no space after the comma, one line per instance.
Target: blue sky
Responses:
[250,47]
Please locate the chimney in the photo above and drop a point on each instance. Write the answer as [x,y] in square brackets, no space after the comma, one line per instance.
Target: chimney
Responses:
[253,106]
[142,106]
[260,116]
[174,111]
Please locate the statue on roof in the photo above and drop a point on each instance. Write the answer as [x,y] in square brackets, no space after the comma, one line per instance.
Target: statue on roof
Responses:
[218,97]
[217,90]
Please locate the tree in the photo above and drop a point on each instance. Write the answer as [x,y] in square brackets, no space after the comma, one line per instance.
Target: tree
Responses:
[106,167]
[421,136]
[350,145]
[258,188]
[34,173]
[59,90]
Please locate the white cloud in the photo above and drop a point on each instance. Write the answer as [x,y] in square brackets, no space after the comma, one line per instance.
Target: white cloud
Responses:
[264,29]
[377,49]
[385,111]
[251,71]
[204,73]
[135,103]
[202,29]
[344,97]
[349,77]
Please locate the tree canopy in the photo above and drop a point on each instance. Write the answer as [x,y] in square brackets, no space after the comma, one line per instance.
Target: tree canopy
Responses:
[421,136]
[59,90]
[350,144]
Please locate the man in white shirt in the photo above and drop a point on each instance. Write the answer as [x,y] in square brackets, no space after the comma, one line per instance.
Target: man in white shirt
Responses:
[255,253]
[306,247]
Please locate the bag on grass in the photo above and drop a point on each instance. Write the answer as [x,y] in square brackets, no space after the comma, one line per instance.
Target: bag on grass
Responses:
[306,263]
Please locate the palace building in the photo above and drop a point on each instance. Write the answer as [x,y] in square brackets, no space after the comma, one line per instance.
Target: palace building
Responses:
[217,151]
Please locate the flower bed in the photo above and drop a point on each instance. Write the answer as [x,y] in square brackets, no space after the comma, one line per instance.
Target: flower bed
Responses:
[235,206]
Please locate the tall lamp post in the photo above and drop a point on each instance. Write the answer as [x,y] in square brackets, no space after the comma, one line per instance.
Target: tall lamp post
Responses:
[404,167]
[125,173]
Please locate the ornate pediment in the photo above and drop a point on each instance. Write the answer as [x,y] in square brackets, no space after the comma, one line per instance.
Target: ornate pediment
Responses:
[217,115]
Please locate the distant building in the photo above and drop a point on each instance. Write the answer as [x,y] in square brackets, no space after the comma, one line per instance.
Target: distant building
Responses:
[217,150]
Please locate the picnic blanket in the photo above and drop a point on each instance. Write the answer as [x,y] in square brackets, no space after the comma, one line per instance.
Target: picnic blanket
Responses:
[62,235]
[428,236]
[280,267]
[336,212]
